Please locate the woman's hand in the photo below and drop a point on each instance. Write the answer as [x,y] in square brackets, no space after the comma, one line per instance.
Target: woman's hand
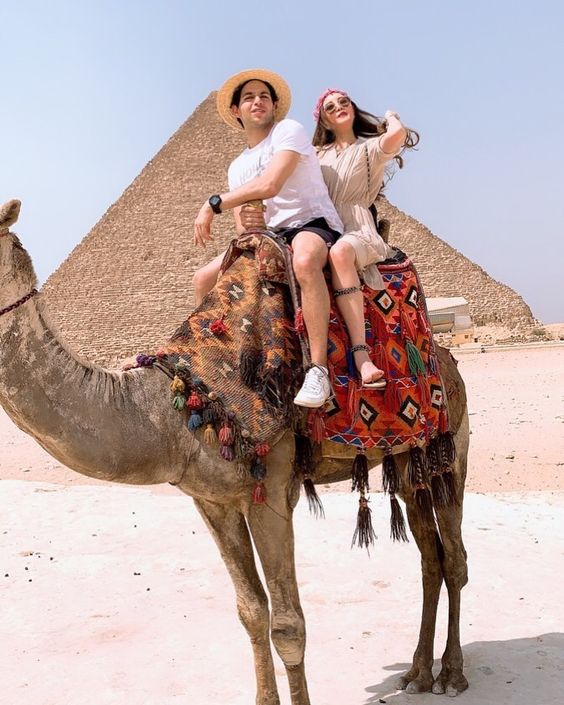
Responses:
[391,114]
[252,217]
[202,225]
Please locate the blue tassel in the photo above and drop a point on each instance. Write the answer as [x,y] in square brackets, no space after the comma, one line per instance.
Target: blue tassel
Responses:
[195,421]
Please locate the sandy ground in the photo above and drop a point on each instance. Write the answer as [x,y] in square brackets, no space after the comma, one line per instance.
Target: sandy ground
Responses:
[113,595]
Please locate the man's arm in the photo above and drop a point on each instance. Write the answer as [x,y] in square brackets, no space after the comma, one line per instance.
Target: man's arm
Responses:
[267,185]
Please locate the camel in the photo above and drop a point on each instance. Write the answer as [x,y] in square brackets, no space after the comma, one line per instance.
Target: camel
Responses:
[120,426]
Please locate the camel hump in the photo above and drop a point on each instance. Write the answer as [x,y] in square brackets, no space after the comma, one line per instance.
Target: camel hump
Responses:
[9,213]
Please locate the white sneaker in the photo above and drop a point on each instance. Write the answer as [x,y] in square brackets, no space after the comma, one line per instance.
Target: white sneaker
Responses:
[316,388]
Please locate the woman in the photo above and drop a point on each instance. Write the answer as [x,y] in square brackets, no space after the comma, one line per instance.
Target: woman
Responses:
[354,149]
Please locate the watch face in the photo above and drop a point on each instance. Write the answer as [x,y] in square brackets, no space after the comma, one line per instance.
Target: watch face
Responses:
[215,203]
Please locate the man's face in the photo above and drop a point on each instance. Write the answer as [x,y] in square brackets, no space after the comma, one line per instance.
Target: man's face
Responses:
[255,108]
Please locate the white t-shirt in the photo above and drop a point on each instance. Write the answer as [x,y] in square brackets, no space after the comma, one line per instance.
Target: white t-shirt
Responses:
[304,196]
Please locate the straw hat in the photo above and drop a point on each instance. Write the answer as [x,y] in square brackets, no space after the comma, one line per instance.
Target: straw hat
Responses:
[225,93]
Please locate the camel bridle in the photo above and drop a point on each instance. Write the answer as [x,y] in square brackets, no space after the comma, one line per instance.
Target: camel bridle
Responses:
[21,301]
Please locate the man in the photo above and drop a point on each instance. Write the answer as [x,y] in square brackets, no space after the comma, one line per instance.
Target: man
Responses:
[281,168]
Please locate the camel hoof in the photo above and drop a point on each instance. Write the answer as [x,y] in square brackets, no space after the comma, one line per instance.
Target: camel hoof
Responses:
[438,688]
[418,685]
[9,213]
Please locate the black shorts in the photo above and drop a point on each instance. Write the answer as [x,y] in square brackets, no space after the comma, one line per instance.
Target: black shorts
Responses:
[319,226]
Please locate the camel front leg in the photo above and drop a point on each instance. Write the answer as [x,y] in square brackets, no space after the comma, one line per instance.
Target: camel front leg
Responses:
[419,678]
[229,529]
[273,534]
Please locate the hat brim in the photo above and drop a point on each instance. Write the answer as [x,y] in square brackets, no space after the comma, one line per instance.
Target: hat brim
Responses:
[225,94]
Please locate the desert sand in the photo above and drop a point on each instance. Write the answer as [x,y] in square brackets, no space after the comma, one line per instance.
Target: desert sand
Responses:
[113,594]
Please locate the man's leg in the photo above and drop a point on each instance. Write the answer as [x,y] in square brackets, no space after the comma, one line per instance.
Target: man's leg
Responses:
[309,258]
[205,278]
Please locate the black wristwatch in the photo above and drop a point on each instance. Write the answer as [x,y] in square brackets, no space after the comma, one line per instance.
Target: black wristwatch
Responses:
[215,203]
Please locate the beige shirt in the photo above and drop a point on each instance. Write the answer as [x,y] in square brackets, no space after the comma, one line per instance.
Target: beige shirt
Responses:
[346,176]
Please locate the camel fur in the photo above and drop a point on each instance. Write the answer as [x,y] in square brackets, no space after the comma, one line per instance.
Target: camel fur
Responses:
[121,427]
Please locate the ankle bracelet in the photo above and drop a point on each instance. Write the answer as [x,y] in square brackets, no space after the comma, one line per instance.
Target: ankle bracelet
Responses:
[358,348]
[343,292]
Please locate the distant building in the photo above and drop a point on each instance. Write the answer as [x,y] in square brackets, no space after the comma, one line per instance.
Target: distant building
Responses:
[451,315]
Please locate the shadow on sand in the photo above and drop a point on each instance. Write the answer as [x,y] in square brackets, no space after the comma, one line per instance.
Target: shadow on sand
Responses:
[526,671]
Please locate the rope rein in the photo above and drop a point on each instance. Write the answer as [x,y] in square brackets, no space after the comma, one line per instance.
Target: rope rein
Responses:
[21,301]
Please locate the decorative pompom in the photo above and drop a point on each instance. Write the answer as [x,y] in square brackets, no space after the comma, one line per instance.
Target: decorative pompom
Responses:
[262,449]
[414,359]
[161,354]
[353,400]
[443,421]
[360,473]
[210,436]
[317,425]
[226,435]
[299,323]
[407,326]
[177,385]
[218,327]
[422,321]
[258,469]
[424,391]
[195,421]
[195,401]
[392,396]
[179,402]
[227,452]
[145,360]
[259,493]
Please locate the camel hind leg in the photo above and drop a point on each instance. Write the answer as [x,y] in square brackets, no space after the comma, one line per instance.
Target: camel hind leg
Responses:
[229,530]
[419,678]
[451,679]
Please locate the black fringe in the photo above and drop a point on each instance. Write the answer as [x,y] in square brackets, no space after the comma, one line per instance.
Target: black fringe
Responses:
[450,487]
[360,473]
[303,454]
[424,503]
[433,455]
[416,466]
[364,535]
[313,499]
[397,522]
[447,448]
[439,490]
[250,363]
[390,475]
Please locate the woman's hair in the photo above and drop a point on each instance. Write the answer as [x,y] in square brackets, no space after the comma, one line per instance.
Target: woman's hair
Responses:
[364,125]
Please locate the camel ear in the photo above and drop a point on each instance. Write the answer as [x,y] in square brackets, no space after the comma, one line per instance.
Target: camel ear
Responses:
[9,213]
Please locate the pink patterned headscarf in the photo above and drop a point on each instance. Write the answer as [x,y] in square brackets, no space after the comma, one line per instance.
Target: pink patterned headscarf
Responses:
[322,97]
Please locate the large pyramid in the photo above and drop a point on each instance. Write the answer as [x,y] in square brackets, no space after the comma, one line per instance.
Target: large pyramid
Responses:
[127,285]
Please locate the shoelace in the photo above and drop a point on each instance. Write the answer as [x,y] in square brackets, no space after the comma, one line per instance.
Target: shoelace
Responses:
[315,378]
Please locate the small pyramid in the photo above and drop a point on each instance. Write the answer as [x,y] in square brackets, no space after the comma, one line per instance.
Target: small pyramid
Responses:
[128,284]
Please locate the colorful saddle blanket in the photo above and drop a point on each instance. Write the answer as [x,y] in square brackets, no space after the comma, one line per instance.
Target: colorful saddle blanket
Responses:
[407,411]
[237,361]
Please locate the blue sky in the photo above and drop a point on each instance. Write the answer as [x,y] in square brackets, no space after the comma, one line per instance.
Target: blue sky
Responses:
[93,89]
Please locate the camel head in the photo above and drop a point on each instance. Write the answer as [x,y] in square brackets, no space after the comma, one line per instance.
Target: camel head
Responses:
[17,276]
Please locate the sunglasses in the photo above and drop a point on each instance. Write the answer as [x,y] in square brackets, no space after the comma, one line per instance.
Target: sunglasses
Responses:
[343,102]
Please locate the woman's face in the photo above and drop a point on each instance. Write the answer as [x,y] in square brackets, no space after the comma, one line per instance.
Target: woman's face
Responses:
[337,111]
